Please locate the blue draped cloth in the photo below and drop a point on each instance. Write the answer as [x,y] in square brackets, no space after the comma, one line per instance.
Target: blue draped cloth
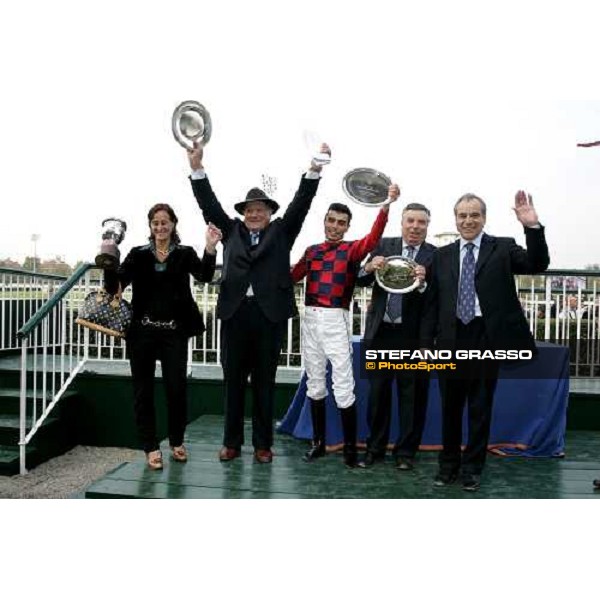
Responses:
[529,415]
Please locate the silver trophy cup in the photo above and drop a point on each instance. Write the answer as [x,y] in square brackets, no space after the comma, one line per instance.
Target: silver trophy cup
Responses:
[113,232]
[191,123]
[313,143]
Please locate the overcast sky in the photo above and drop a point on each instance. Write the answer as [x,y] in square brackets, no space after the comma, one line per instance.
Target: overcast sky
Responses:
[444,99]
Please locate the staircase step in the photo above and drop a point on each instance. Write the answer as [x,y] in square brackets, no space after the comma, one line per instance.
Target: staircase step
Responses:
[10,427]
[8,454]
[54,437]
[10,399]
[34,456]
[16,393]
[12,422]
[9,459]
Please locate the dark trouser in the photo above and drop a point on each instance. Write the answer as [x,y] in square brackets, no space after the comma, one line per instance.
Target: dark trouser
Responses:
[145,346]
[475,386]
[412,401]
[413,411]
[250,345]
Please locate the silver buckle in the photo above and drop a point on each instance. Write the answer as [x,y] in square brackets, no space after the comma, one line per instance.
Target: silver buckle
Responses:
[146,322]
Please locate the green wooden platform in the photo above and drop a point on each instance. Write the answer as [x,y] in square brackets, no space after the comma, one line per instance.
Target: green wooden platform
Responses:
[289,477]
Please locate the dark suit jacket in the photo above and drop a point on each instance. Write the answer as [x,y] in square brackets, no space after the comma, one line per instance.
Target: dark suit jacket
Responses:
[412,303]
[138,269]
[499,260]
[265,266]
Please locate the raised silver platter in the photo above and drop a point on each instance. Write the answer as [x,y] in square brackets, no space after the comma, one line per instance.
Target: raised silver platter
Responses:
[191,123]
[366,186]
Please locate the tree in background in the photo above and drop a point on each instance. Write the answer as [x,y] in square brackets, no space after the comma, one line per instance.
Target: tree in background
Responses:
[29,263]
[55,266]
[9,263]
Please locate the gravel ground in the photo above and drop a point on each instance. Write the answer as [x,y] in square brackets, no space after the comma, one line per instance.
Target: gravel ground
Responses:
[68,475]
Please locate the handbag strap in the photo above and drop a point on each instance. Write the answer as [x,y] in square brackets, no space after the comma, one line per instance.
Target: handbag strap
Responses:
[117,297]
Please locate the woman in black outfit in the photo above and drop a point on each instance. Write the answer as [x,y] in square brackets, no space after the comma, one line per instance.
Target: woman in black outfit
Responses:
[164,317]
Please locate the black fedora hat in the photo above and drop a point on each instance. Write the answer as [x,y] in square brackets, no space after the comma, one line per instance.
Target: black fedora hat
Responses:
[256,195]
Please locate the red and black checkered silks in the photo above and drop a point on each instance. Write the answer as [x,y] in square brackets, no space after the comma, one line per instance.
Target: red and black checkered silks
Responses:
[331,269]
[330,275]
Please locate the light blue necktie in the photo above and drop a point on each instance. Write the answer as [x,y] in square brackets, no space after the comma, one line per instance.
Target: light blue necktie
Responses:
[394,305]
[254,237]
[466,292]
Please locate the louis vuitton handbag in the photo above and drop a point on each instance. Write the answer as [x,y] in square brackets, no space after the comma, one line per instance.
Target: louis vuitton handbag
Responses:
[106,313]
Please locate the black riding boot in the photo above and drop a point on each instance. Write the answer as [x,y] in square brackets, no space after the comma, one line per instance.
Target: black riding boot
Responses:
[349,428]
[317,413]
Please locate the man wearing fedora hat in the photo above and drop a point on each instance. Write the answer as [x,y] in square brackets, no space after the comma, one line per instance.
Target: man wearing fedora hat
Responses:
[255,300]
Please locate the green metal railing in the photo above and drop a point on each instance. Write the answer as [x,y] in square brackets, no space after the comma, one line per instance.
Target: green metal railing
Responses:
[53,301]
[22,293]
[52,354]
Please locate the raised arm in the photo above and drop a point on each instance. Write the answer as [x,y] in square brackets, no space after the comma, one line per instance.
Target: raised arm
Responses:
[296,212]
[362,247]
[536,258]
[207,201]
[204,270]
[123,275]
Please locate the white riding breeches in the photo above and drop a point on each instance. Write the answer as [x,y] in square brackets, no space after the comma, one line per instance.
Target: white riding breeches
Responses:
[326,335]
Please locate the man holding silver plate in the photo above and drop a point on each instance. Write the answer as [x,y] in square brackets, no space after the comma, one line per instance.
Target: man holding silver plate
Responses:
[397,269]
[256,298]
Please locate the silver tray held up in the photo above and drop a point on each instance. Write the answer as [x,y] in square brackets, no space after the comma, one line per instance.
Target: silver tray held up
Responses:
[191,123]
[398,275]
[366,186]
